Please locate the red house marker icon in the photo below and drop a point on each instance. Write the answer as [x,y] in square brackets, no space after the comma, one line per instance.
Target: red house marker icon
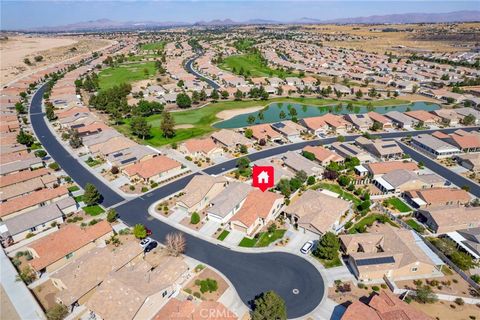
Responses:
[263,177]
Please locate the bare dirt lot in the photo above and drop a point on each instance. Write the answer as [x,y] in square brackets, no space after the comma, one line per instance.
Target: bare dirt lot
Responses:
[15,49]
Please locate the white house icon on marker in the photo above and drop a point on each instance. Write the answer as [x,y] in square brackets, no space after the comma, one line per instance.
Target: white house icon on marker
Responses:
[263,177]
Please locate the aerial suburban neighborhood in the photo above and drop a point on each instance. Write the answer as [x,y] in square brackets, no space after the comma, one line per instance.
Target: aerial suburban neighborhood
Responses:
[269,169]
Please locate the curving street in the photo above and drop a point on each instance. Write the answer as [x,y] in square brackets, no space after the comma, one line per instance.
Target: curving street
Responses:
[251,274]
[190,69]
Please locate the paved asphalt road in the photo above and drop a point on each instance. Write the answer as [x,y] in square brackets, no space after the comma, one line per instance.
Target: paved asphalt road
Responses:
[453,177]
[190,69]
[250,273]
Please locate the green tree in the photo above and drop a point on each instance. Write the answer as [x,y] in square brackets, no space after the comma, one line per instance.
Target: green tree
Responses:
[328,246]
[311,180]
[27,275]
[20,108]
[282,115]
[376,126]
[112,215]
[301,175]
[214,95]
[308,155]
[195,97]
[57,312]
[25,138]
[340,138]
[50,112]
[269,306]
[91,195]
[224,94]
[243,149]
[140,127]
[195,218]
[203,95]
[469,120]
[424,294]
[238,95]
[139,231]
[248,133]
[75,140]
[167,125]
[344,180]
[183,100]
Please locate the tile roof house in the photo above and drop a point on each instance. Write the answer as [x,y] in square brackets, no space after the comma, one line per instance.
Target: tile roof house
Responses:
[22,176]
[230,138]
[199,191]
[380,168]
[349,150]
[23,165]
[386,251]
[188,309]
[297,163]
[317,212]
[445,219]
[279,172]
[377,117]
[323,155]
[200,148]
[130,155]
[37,220]
[402,180]
[448,116]
[315,125]
[288,129]
[136,292]
[76,280]
[360,121]
[435,197]
[225,204]
[424,117]
[55,250]
[31,201]
[433,146]
[383,306]
[264,131]
[401,120]
[465,141]
[381,149]
[152,169]
[256,212]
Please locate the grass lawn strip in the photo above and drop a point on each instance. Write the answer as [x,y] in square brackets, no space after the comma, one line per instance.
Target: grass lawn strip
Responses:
[415,226]
[247,242]
[79,198]
[329,263]
[94,210]
[159,45]
[223,235]
[266,238]
[368,221]
[399,205]
[253,65]
[202,118]
[73,188]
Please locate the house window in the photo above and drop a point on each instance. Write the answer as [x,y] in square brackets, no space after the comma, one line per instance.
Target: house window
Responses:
[33,229]
[414,269]
[68,256]
[164,293]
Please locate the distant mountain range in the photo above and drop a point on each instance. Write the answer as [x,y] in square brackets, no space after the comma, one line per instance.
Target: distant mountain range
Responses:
[109,25]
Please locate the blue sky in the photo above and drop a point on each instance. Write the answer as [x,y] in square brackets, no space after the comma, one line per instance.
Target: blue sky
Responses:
[28,14]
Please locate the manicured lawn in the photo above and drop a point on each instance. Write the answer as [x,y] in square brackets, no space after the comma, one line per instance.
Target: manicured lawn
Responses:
[223,235]
[266,238]
[73,188]
[415,226]
[337,189]
[361,225]
[252,65]
[153,45]
[36,146]
[94,210]
[247,242]
[203,118]
[93,162]
[329,263]
[126,73]
[79,198]
[398,204]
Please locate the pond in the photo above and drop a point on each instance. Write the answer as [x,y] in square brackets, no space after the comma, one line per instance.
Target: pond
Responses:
[272,112]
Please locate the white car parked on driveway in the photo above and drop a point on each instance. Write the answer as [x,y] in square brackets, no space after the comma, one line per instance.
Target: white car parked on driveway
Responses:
[307,247]
[145,242]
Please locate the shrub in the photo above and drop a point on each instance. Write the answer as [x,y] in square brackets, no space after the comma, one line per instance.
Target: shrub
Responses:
[375,288]
[208,285]
[459,301]
[476,278]
[188,158]
[54,166]
[40,153]
[29,235]
[407,299]
[131,187]
[188,290]
[197,295]
[114,170]
[361,285]
[383,285]
[144,189]
[199,268]
[195,218]
[111,215]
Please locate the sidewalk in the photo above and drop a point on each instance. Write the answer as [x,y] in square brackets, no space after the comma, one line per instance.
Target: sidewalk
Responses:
[18,293]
